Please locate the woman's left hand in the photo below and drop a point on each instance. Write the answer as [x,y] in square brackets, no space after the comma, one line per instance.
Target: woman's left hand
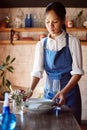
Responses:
[61,98]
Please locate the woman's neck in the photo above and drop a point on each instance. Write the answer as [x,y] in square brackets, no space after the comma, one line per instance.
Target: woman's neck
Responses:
[54,35]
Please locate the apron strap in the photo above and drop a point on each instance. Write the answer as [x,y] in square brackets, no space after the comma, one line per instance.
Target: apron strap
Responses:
[45,41]
[67,39]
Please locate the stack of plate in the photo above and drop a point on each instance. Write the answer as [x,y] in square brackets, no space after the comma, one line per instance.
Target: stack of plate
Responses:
[37,105]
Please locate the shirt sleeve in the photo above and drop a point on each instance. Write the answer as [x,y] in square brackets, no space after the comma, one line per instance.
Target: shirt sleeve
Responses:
[38,61]
[76,53]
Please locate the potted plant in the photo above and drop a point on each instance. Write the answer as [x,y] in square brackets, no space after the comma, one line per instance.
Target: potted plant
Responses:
[5,67]
[18,97]
[79,19]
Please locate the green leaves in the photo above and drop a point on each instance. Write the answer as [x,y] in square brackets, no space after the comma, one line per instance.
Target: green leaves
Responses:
[13,60]
[80,13]
[8,83]
[3,81]
[6,67]
[7,58]
[10,69]
[1,67]
[2,74]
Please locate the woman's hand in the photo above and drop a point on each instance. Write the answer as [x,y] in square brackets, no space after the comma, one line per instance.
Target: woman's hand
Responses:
[61,97]
[28,94]
[34,82]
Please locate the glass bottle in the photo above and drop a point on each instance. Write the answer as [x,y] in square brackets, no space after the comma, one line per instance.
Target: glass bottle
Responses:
[35,21]
[27,21]
[7,119]
[30,20]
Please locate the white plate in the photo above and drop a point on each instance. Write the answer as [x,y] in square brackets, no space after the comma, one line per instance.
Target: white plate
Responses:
[37,105]
[39,101]
[38,108]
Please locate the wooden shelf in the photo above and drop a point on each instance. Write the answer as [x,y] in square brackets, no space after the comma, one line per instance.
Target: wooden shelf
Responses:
[24,29]
[84,43]
[19,42]
[76,29]
[23,42]
[37,29]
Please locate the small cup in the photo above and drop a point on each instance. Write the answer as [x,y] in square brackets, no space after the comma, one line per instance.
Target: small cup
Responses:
[69,23]
[15,36]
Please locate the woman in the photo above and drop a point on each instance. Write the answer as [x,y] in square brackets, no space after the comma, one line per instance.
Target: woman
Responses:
[59,54]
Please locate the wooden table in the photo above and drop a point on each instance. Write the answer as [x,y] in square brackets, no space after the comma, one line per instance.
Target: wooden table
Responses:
[64,121]
[49,121]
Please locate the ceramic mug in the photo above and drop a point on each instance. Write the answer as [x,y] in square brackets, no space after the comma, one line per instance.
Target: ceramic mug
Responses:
[69,23]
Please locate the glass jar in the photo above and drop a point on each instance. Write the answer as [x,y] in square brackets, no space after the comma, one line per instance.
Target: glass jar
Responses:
[17,23]
[17,106]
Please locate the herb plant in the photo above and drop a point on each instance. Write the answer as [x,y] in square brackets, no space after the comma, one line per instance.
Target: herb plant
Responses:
[5,67]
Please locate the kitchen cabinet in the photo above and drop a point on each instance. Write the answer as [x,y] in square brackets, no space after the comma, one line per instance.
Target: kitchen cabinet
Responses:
[35,30]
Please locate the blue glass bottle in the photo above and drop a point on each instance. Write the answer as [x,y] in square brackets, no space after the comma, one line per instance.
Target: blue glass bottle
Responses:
[30,21]
[8,119]
[26,21]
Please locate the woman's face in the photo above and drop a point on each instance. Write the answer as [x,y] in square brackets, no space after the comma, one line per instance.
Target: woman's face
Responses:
[53,23]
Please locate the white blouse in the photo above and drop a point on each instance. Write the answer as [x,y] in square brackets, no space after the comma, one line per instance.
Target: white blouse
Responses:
[57,44]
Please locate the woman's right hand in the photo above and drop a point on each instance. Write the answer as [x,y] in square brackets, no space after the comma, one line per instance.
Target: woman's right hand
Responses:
[28,94]
[29,91]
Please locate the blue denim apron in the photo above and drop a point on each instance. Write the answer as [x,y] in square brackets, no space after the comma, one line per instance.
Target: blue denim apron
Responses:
[58,65]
